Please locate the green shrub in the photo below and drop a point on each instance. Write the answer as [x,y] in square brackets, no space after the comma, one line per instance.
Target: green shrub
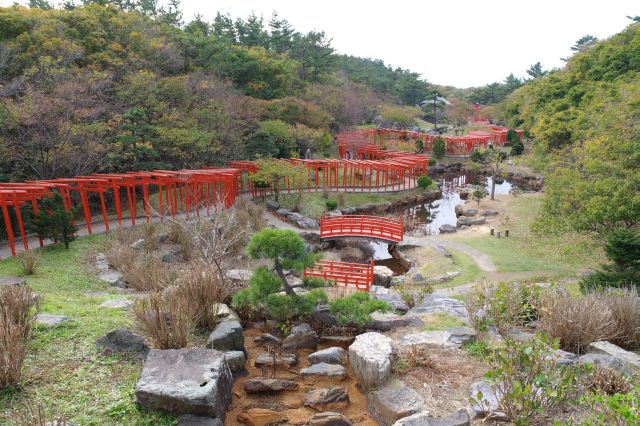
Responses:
[357,308]
[331,204]
[54,221]
[285,308]
[419,145]
[529,385]
[512,137]
[314,282]
[616,409]
[439,147]
[424,182]
[432,162]
[517,148]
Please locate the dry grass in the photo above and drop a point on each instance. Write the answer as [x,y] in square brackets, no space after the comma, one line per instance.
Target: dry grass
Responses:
[577,321]
[165,319]
[35,416]
[625,308]
[608,381]
[414,358]
[142,271]
[16,319]
[29,261]
[205,288]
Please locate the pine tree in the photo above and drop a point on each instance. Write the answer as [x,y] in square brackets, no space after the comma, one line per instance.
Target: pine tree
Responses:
[54,221]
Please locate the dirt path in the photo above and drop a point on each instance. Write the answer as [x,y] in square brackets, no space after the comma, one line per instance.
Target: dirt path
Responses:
[482,259]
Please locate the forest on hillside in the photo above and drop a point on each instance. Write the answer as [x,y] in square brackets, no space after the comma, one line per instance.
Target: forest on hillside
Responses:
[111,86]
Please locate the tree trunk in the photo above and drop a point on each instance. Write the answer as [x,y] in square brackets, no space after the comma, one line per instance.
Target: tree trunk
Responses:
[287,288]
[493,185]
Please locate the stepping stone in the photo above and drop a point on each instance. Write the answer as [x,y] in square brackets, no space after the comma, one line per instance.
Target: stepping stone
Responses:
[191,420]
[185,381]
[113,278]
[424,418]
[302,337]
[123,340]
[390,321]
[116,304]
[50,319]
[425,338]
[261,417]
[227,336]
[329,418]
[324,369]
[323,398]
[333,355]
[284,360]
[267,338]
[394,402]
[12,281]
[268,385]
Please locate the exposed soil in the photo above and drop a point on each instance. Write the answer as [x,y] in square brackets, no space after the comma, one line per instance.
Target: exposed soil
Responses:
[289,403]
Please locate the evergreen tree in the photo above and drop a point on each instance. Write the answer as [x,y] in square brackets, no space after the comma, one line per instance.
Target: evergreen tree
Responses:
[53,221]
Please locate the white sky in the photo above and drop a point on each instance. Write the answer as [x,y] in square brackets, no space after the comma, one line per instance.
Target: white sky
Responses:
[454,42]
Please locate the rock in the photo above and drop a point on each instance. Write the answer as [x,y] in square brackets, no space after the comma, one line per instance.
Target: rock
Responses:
[394,402]
[267,338]
[272,205]
[268,385]
[520,336]
[328,418]
[488,213]
[116,304]
[334,355]
[113,278]
[12,281]
[333,213]
[418,278]
[459,336]
[371,356]
[241,275]
[311,237]
[261,417]
[191,420]
[122,340]
[389,295]
[485,405]
[447,229]
[458,210]
[50,319]
[236,360]
[302,336]
[629,359]
[434,303]
[348,210]
[470,221]
[324,369]
[463,194]
[171,256]
[459,418]
[341,341]
[390,321]
[102,263]
[137,244]
[470,212]
[324,398]
[424,338]
[227,336]
[382,275]
[565,358]
[224,312]
[284,360]
[185,381]
[441,250]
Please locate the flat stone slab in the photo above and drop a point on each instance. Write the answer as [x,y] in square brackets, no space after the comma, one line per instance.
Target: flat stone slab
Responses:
[11,281]
[324,369]
[628,358]
[328,418]
[284,360]
[341,341]
[390,321]
[394,402]
[112,277]
[268,385]
[435,303]
[239,274]
[261,417]
[302,336]
[185,381]
[325,398]
[122,340]
[334,355]
[116,304]
[51,319]
[191,420]
[424,338]
[424,418]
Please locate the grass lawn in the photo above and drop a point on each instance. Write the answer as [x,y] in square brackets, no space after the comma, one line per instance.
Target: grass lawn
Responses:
[434,264]
[313,204]
[440,321]
[64,371]
[526,251]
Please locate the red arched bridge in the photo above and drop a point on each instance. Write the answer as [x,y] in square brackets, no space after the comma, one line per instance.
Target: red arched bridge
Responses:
[387,229]
[343,274]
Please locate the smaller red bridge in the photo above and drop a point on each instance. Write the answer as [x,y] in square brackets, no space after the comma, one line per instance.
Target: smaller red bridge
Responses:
[378,227]
[343,274]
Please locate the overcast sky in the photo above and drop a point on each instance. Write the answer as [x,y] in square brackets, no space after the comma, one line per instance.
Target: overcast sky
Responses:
[455,42]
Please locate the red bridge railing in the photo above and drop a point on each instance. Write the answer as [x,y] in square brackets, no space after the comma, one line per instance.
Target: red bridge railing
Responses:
[379,227]
[344,274]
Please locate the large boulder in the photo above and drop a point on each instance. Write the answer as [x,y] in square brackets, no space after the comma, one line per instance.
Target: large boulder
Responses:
[324,369]
[185,381]
[394,402]
[328,418]
[629,359]
[424,418]
[371,356]
[268,385]
[227,336]
[333,355]
[236,360]
[390,321]
[382,275]
[122,340]
[324,398]
[302,336]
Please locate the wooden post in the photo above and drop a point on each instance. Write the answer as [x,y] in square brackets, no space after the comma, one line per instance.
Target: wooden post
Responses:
[506,232]
[492,231]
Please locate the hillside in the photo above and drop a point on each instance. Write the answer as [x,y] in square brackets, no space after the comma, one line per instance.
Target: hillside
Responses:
[98,88]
